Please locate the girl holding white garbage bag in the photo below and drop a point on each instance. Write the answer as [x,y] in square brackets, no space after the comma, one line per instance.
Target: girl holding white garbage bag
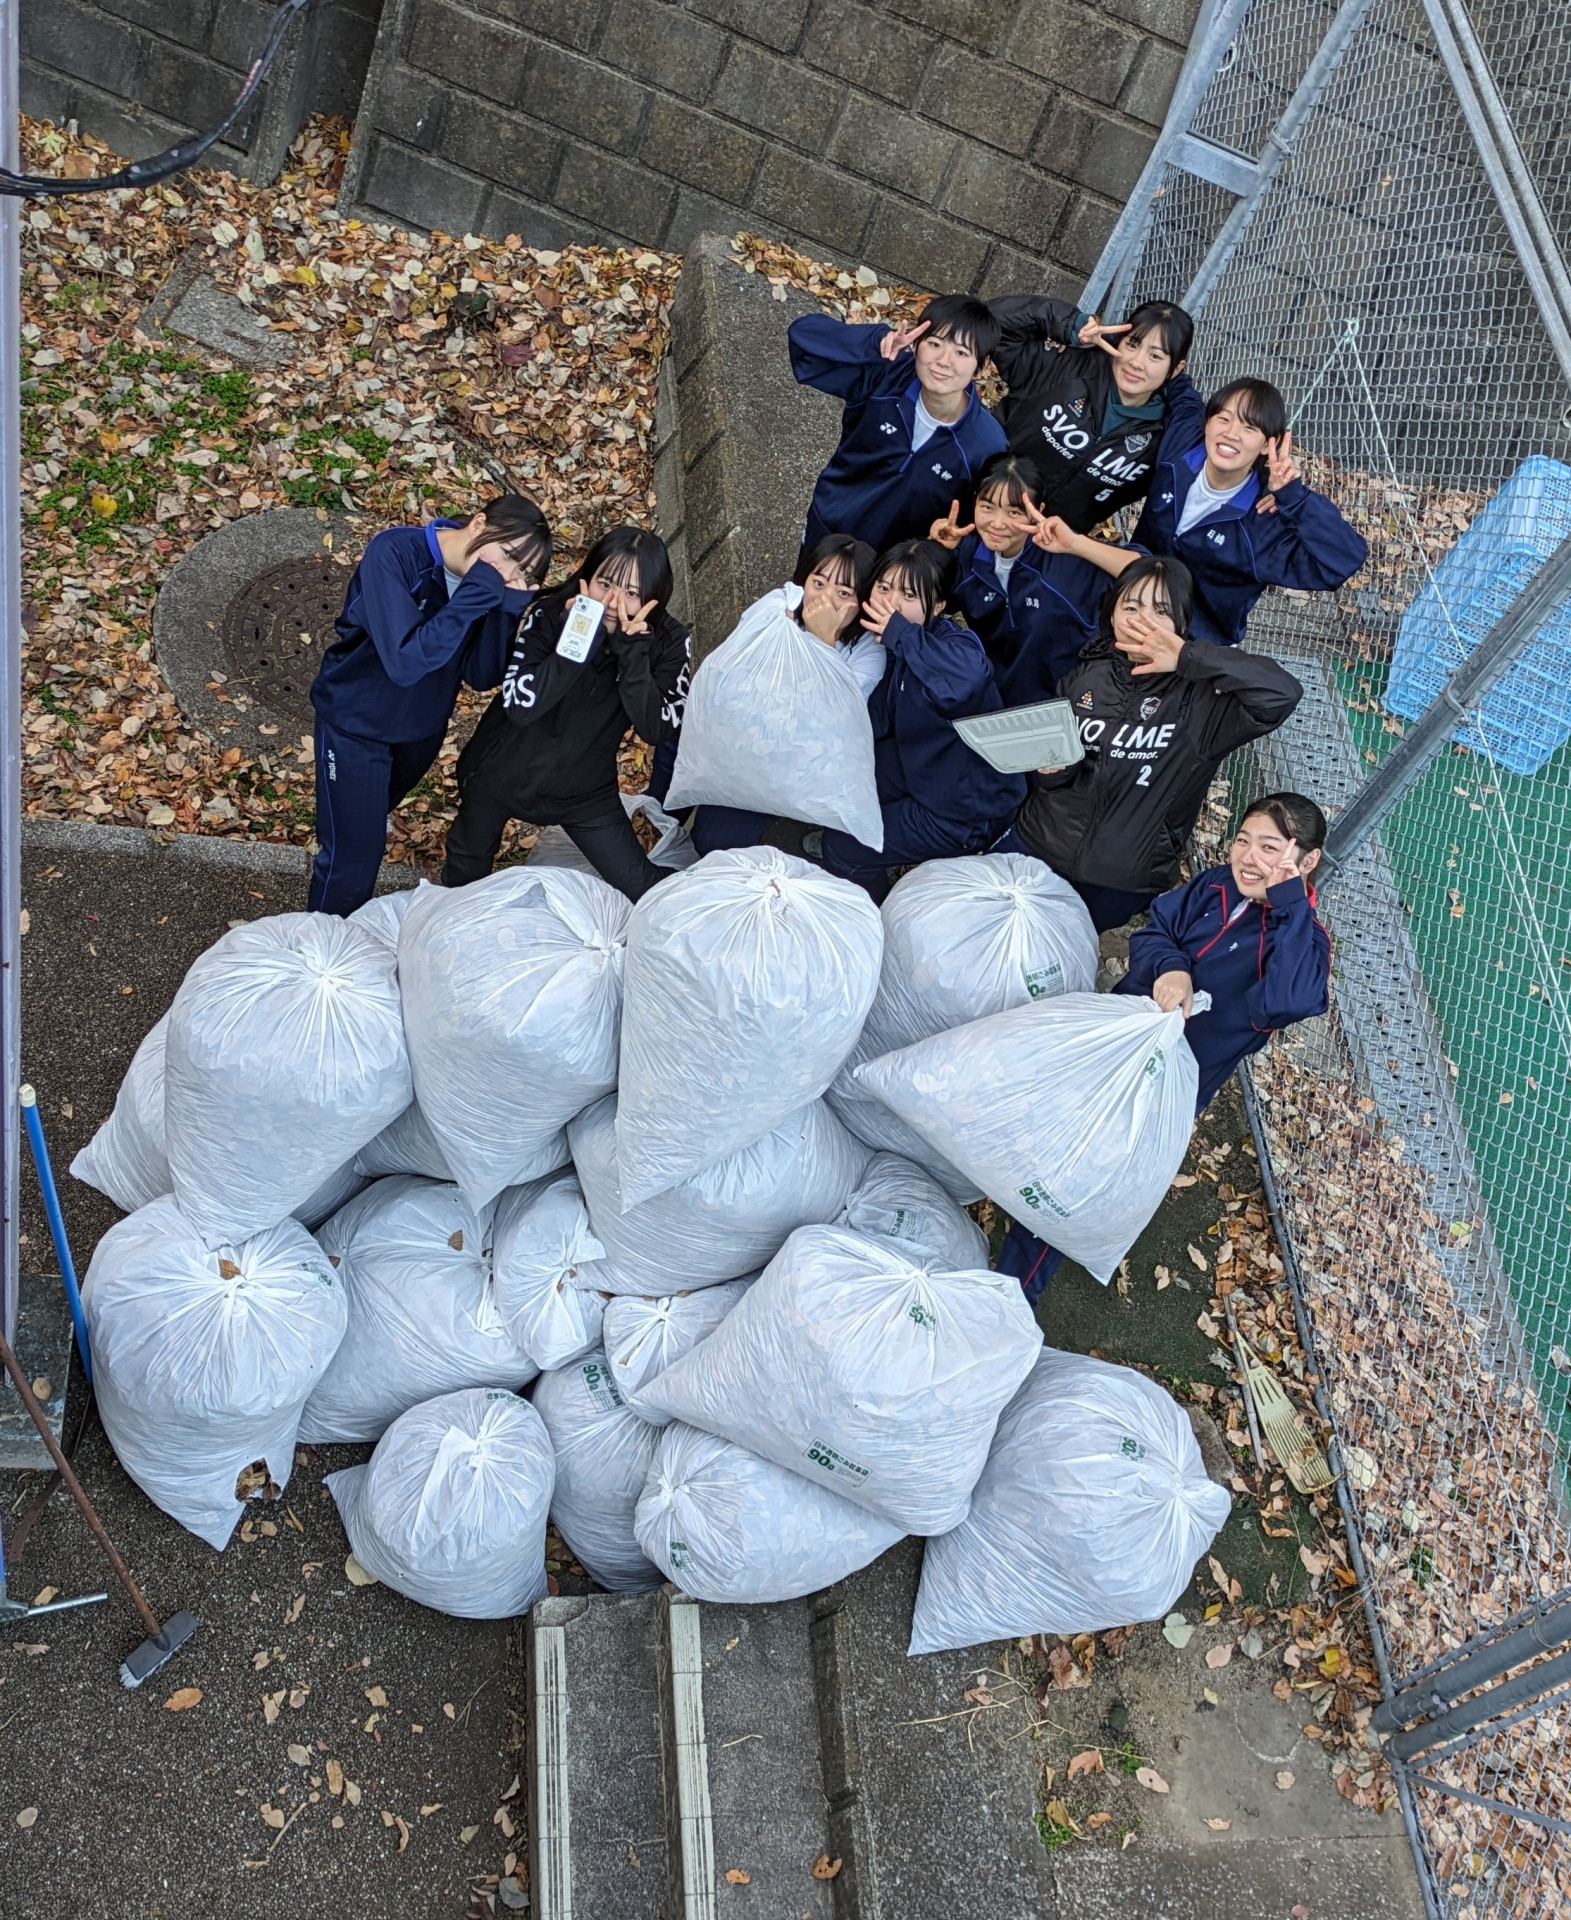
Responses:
[770,719]
[1245,933]
[592,659]
[938,797]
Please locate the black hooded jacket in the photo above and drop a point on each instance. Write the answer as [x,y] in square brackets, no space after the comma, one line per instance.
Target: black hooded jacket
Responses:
[1121,817]
[552,733]
[1056,408]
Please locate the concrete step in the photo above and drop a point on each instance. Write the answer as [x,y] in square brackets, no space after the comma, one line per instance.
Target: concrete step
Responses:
[931,1804]
[693,1762]
[596,1807]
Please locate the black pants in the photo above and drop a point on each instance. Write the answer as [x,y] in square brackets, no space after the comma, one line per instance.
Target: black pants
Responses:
[597,826]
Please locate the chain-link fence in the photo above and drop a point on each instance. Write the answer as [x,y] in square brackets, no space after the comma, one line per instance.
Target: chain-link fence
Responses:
[1395,268]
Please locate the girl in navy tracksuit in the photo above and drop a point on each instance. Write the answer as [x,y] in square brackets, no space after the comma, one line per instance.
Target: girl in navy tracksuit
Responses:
[1033,608]
[1238,515]
[546,748]
[938,798]
[914,433]
[1247,934]
[427,607]
[1097,408]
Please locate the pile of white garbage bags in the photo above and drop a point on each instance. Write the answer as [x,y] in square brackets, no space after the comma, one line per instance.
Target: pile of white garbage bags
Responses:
[689,1177]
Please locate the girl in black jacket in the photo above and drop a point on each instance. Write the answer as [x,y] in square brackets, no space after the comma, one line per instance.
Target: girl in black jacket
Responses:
[545,750]
[1095,407]
[1158,713]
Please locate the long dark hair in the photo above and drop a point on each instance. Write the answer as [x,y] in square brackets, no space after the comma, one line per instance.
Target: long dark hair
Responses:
[517,524]
[924,569]
[632,557]
[848,562]
[1173,593]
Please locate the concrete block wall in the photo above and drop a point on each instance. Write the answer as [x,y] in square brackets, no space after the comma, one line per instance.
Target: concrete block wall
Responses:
[960,144]
[142,73]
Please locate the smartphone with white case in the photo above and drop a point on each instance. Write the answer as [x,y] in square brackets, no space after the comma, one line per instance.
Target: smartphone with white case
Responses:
[581,626]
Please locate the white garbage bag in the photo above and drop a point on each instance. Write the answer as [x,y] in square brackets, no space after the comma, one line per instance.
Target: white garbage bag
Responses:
[897,1200]
[776,722]
[512,991]
[732,1218]
[876,1374]
[546,1267]
[125,1158]
[962,939]
[645,1334]
[603,1451]
[673,846]
[337,1190]
[285,1055]
[203,1357]
[1073,1115]
[748,979]
[1091,1513]
[383,915]
[414,1260]
[451,1508]
[728,1527]
[405,1145]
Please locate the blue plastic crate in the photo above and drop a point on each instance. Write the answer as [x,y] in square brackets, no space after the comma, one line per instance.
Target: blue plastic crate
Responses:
[1526,715]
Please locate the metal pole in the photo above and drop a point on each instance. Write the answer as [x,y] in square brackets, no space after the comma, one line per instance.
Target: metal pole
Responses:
[10,680]
[1281,144]
[1511,634]
[1498,175]
[1205,56]
[1499,118]
[1437,1691]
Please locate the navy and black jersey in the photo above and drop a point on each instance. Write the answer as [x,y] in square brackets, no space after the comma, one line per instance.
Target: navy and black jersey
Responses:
[1063,411]
[1122,816]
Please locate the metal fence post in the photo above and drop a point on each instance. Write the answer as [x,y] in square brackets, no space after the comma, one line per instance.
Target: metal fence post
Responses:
[10,680]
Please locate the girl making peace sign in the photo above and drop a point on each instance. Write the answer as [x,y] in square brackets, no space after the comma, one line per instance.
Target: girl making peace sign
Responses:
[545,750]
[1236,511]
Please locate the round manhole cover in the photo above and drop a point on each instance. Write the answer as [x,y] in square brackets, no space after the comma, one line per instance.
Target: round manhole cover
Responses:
[277,628]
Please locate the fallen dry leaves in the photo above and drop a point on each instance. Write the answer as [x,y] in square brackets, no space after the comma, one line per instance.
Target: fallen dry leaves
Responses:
[426,366]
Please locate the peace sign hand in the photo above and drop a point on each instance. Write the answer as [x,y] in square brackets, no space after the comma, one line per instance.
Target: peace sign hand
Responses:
[1280,467]
[639,623]
[948,531]
[1094,334]
[899,339]
[1285,867]
[1047,530]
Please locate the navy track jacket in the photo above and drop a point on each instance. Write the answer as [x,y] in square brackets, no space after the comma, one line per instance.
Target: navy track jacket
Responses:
[936,675]
[1056,413]
[1034,631]
[1263,966]
[403,646]
[1237,553]
[875,485]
